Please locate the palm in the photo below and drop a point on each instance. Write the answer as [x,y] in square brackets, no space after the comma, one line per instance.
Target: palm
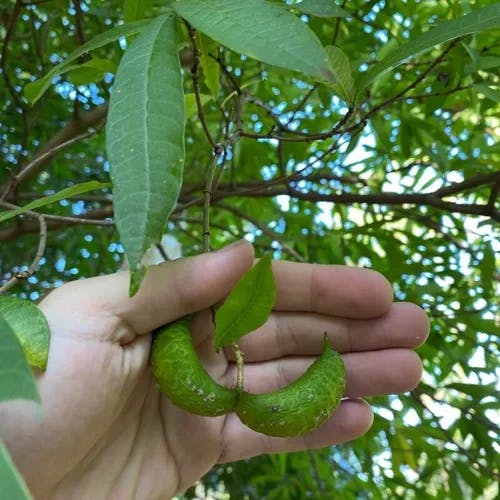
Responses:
[108,433]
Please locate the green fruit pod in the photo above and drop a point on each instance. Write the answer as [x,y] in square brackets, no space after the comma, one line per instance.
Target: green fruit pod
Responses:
[301,406]
[181,376]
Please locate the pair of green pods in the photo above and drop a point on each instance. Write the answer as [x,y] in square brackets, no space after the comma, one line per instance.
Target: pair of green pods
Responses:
[291,411]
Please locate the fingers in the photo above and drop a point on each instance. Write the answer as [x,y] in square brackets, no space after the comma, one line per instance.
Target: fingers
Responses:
[334,290]
[293,334]
[169,291]
[351,420]
[374,373]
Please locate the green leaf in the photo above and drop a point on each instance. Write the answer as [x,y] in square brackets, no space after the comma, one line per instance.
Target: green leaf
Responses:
[190,103]
[470,476]
[402,452]
[145,138]
[12,485]
[478,392]
[480,324]
[341,69]
[321,8]
[262,30]
[489,92]
[210,67]
[134,10]
[92,71]
[34,90]
[487,268]
[248,305]
[17,378]
[479,20]
[53,198]
[30,327]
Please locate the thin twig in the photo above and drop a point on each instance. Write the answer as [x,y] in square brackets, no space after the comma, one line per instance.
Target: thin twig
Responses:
[23,275]
[239,365]
[195,74]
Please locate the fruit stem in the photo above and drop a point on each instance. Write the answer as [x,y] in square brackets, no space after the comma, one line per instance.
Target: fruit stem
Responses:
[239,364]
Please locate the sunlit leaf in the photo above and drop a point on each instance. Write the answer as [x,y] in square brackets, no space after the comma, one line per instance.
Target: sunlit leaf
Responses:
[209,66]
[341,69]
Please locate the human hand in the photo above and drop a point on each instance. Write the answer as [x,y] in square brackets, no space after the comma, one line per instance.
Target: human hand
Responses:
[108,433]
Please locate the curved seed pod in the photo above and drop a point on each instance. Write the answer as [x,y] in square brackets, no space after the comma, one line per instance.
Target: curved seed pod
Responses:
[301,406]
[182,377]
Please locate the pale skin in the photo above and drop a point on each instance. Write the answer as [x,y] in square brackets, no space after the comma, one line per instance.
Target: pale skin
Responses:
[106,431]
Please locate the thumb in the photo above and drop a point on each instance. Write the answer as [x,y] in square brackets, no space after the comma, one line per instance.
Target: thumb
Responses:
[172,289]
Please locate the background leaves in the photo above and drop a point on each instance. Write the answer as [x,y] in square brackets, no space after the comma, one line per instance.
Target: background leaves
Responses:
[406,184]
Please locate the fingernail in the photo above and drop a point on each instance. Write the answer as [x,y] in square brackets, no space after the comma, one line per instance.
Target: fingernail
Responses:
[233,245]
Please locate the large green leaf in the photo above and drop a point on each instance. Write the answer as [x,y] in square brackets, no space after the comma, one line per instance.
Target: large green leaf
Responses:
[17,380]
[76,190]
[30,327]
[248,305]
[145,139]
[479,20]
[34,90]
[259,29]
[12,486]
[321,8]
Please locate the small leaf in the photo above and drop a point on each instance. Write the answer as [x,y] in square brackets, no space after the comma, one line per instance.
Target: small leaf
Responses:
[34,90]
[12,485]
[477,392]
[210,67]
[487,267]
[402,452]
[190,103]
[321,8]
[76,190]
[478,20]
[489,92]
[480,324]
[133,10]
[469,475]
[30,327]
[145,139]
[262,30]
[92,71]
[17,378]
[341,69]
[248,305]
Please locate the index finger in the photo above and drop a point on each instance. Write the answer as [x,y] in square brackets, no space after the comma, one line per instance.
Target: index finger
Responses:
[350,292]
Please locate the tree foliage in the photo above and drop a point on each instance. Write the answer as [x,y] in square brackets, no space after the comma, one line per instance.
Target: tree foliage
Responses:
[361,133]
